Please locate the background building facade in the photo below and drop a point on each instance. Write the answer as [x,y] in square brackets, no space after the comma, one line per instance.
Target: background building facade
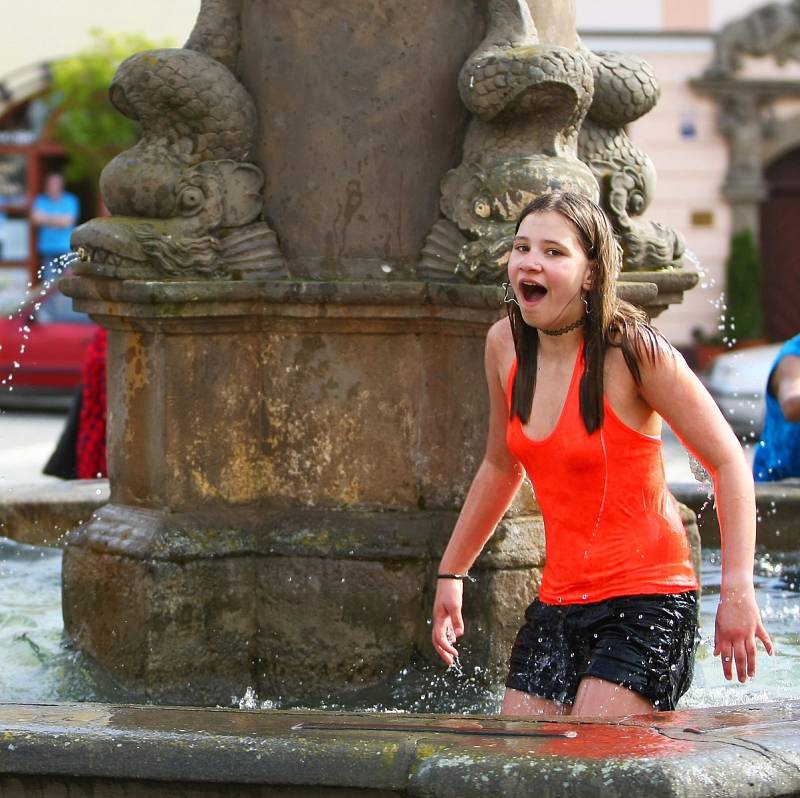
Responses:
[723,166]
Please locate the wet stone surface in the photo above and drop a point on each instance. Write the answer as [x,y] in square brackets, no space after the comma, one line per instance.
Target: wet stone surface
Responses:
[752,750]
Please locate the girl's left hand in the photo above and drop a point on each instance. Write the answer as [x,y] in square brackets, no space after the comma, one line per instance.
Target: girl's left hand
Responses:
[737,627]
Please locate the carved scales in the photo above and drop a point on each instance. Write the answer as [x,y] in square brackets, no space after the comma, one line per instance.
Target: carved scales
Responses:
[186,200]
[546,118]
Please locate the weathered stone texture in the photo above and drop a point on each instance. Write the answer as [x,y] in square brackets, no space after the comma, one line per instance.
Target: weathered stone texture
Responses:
[353,169]
[41,515]
[359,621]
[113,751]
[306,405]
[283,485]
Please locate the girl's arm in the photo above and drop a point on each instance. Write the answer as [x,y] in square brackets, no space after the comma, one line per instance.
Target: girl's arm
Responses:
[674,392]
[492,491]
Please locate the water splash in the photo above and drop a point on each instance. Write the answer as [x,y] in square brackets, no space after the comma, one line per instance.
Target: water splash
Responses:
[250,701]
[456,667]
[708,282]
[780,610]
[46,276]
[727,336]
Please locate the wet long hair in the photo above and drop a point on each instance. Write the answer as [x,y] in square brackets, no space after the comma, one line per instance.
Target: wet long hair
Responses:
[609,322]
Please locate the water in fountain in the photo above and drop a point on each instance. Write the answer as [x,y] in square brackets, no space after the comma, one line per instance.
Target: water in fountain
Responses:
[34,666]
[778,593]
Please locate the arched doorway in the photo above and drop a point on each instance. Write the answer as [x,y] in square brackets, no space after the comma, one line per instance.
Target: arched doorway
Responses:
[780,247]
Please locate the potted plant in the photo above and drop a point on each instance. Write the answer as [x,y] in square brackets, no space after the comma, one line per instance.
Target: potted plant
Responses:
[705,348]
[742,322]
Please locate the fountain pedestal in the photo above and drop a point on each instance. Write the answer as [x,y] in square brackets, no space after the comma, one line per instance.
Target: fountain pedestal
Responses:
[291,280]
[287,461]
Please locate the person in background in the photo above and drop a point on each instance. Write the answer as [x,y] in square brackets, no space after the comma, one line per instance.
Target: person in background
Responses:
[91,440]
[3,220]
[55,213]
[81,449]
[778,452]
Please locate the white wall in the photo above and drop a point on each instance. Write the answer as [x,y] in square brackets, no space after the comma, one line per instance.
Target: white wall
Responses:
[723,11]
[43,30]
[618,15]
[646,15]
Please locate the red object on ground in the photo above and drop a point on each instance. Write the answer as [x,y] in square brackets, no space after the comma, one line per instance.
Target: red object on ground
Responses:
[49,345]
[91,443]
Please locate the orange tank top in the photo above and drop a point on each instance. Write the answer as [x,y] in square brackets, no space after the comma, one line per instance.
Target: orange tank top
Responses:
[612,528]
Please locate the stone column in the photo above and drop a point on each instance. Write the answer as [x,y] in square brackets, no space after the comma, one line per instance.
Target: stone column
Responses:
[294,421]
[739,120]
[359,119]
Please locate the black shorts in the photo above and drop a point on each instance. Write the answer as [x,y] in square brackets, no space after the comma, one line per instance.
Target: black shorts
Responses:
[644,643]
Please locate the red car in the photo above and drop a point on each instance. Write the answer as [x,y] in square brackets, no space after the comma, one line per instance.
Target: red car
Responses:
[42,348]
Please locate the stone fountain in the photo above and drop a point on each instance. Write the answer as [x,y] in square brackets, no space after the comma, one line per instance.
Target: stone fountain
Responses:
[297,276]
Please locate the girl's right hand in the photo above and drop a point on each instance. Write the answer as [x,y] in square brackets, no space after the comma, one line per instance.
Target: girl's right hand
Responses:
[448,625]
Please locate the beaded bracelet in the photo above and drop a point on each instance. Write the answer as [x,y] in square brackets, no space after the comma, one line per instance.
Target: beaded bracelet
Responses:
[462,577]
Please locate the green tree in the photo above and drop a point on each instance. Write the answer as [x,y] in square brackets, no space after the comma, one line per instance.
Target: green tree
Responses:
[91,130]
[743,275]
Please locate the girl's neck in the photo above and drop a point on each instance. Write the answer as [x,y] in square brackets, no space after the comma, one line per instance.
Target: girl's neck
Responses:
[558,346]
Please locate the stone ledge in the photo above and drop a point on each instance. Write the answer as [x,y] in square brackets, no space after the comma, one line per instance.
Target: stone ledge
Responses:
[777,504]
[752,750]
[330,299]
[283,292]
[151,535]
[42,514]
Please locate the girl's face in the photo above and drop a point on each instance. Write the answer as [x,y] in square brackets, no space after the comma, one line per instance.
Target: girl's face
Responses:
[549,271]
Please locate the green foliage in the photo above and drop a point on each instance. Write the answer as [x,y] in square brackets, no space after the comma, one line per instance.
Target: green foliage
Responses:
[84,121]
[743,274]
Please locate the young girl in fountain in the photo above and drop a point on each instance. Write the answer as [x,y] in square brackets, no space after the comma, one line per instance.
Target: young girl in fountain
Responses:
[579,383]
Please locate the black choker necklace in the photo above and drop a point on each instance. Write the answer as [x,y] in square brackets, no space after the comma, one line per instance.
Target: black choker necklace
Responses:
[562,330]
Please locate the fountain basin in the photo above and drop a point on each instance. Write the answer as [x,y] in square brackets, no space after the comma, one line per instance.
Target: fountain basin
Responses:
[42,514]
[109,750]
[37,667]
[777,507]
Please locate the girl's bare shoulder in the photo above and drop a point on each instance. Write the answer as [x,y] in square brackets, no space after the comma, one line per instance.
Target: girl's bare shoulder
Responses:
[650,349]
[500,332]
[500,347]
[617,373]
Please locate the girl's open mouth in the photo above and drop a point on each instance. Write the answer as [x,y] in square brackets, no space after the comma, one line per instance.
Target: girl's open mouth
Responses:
[531,290]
